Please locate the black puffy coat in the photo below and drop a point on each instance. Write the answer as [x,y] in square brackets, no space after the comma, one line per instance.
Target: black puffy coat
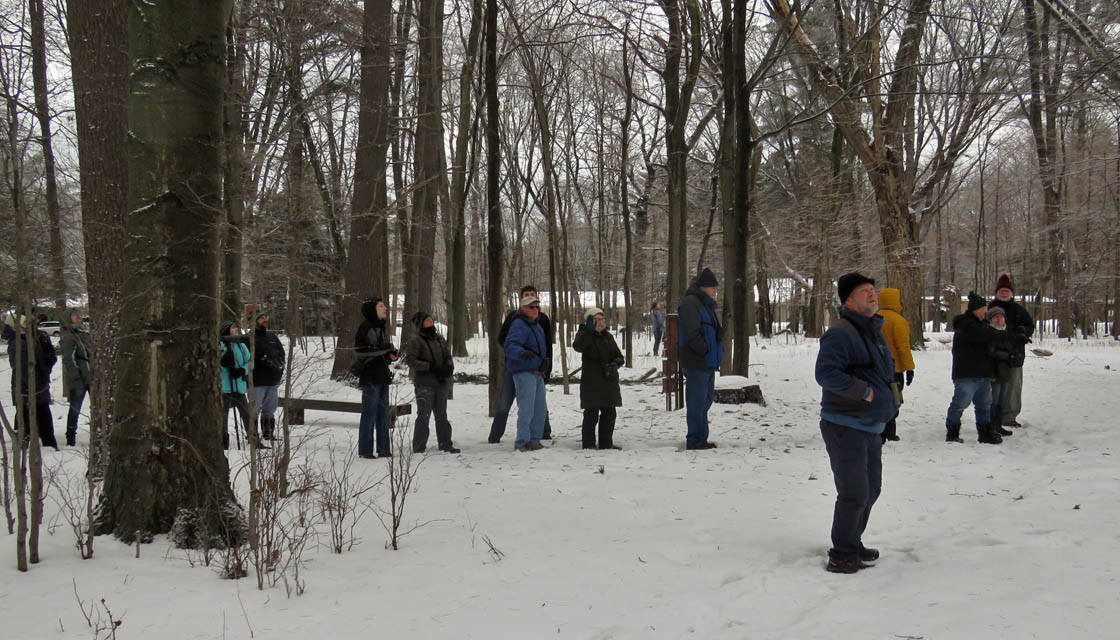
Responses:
[373,347]
[268,357]
[598,387]
[75,349]
[45,358]
[1019,321]
[972,339]
[429,357]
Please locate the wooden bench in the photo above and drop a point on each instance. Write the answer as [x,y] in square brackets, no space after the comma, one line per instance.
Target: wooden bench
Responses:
[296,407]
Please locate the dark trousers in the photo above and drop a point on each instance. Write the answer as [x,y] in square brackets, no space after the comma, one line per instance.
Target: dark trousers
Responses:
[431,398]
[241,403]
[656,340]
[77,397]
[501,415]
[605,416]
[857,469]
[43,419]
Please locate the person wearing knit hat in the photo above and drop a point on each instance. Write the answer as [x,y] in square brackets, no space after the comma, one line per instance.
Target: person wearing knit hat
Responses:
[700,341]
[854,369]
[599,391]
[973,369]
[896,331]
[429,357]
[1019,321]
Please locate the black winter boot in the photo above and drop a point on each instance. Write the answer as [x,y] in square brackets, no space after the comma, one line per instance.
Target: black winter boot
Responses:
[953,433]
[987,435]
[1000,430]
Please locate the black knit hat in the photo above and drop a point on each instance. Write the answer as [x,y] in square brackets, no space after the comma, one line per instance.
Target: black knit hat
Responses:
[976,301]
[419,317]
[848,283]
[707,279]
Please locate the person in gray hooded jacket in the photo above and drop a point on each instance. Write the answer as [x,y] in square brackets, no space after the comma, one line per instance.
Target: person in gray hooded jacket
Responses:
[75,351]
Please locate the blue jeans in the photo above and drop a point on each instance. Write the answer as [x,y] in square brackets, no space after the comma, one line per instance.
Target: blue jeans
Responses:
[699,393]
[266,398]
[77,397]
[656,340]
[857,469]
[375,415]
[505,403]
[974,391]
[532,408]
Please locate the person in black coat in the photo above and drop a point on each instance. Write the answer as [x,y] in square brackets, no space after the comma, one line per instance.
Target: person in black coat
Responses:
[1018,321]
[973,369]
[45,359]
[507,394]
[429,357]
[599,391]
[268,372]
[74,348]
[373,352]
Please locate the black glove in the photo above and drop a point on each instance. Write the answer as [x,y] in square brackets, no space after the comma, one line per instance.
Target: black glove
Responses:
[527,355]
[444,371]
[237,372]
[909,377]
[590,323]
[612,370]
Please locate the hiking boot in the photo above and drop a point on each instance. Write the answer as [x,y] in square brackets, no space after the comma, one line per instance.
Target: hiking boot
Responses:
[953,433]
[385,455]
[1001,431]
[868,555]
[367,456]
[525,449]
[987,435]
[534,446]
[846,565]
[449,448]
[612,446]
[1013,424]
[703,446]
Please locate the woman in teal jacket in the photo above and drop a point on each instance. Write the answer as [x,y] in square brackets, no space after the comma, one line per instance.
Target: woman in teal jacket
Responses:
[236,361]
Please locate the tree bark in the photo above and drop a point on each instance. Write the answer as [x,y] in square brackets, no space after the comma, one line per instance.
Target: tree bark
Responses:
[369,224]
[166,459]
[495,243]
[99,63]
[233,179]
[42,112]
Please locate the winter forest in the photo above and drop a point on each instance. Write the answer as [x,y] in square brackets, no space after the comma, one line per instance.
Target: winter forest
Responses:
[170,167]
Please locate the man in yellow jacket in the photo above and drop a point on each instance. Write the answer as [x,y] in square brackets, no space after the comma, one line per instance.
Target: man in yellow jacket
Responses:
[896,330]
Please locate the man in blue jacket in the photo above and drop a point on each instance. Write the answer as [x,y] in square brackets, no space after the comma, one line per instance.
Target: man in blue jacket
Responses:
[701,352]
[854,369]
[526,347]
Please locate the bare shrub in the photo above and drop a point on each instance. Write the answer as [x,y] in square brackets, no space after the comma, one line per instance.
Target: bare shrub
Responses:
[344,496]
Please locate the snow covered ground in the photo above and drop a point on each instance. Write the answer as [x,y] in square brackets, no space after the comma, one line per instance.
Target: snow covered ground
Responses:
[978,541]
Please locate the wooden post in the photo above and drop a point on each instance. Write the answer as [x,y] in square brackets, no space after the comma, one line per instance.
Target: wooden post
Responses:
[672,380]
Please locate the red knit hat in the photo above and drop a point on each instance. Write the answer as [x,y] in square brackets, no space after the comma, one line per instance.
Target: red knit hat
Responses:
[1004,282]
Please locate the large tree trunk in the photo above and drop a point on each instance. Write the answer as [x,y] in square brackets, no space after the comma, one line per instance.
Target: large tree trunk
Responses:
[167,462]
[461,174]
[99,62]
[42,111]
[369,225]
[233,179]
[495,243]
[678,97]
[427,174]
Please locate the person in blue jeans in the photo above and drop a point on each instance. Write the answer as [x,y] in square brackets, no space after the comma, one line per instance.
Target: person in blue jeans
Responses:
[374,351]
[973,370]
[854,369]
[75,352]
[657,325]
[507,395]
[700,354]
[525,349]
